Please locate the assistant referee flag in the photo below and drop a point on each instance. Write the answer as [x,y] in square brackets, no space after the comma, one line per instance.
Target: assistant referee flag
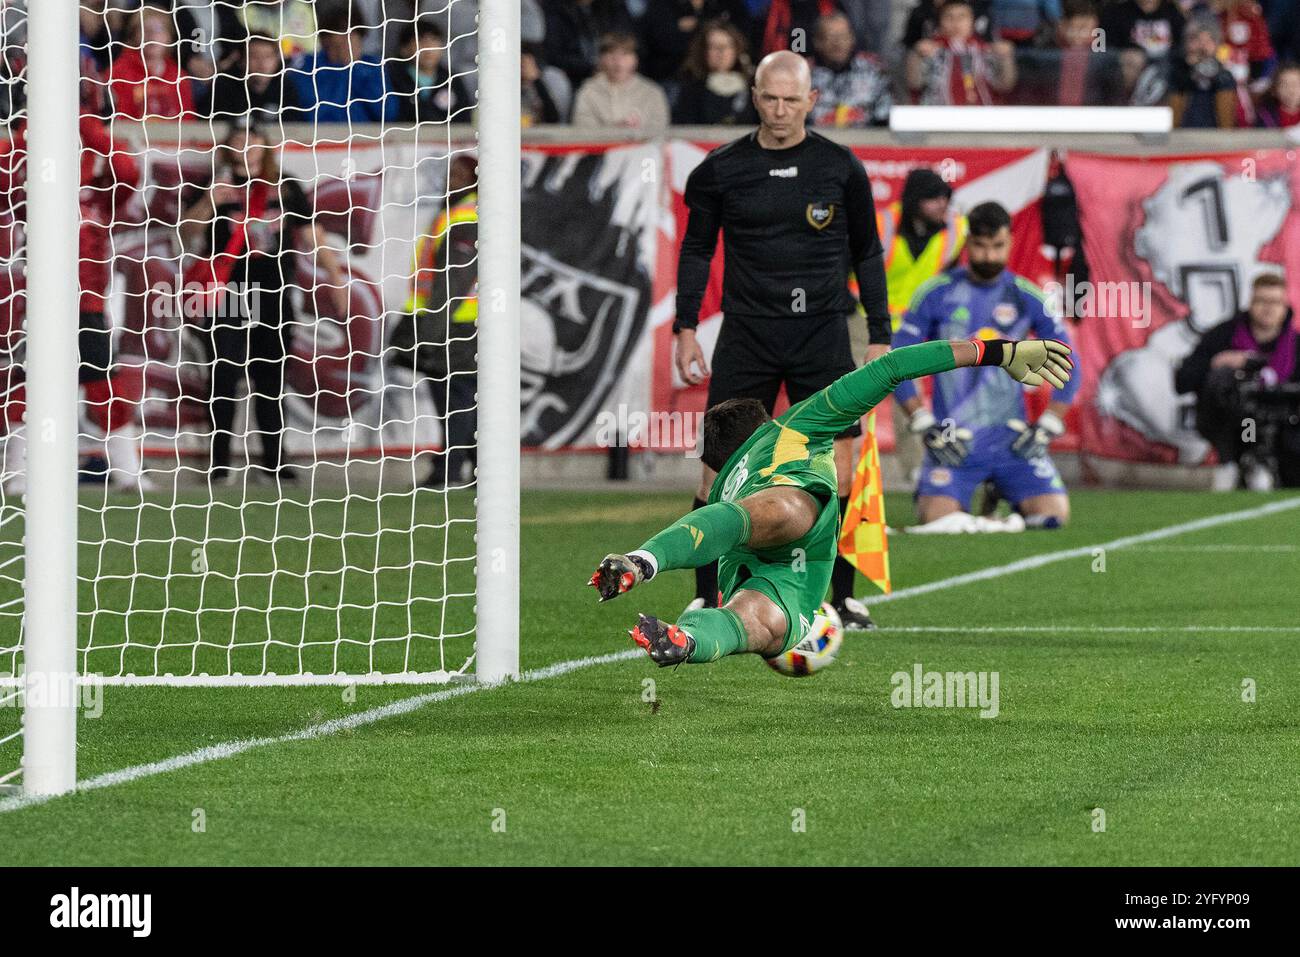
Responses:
[863,542]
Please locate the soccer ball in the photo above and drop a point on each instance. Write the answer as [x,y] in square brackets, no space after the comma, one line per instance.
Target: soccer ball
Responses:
[816,649]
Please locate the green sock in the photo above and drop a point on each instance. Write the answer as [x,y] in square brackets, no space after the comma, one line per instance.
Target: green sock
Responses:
[699,537]
[718,632]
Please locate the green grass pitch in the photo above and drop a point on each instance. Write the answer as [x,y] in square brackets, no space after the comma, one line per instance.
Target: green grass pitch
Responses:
[1129,699]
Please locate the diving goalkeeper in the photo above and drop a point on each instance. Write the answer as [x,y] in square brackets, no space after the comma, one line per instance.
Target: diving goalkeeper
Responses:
[772,520]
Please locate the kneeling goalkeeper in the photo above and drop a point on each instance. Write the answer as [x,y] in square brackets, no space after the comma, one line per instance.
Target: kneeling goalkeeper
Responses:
[772,521]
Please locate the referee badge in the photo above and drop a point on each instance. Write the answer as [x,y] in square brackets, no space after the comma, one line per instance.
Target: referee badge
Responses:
[820,214]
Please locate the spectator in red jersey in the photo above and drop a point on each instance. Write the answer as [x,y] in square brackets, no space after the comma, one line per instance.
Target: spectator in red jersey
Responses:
[1280,107]
[956,67]
[1250,58]
[853,89]
[923,21]
[109,176]
[145,79]
[790,23]
[716,79]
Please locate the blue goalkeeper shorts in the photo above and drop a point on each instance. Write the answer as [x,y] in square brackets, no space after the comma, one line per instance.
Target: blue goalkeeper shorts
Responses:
[1016,479]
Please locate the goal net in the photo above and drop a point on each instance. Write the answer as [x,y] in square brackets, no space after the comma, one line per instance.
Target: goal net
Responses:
[262,330]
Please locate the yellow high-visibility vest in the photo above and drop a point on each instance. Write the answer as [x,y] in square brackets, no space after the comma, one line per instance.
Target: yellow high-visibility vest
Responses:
[905,274]
[426,256]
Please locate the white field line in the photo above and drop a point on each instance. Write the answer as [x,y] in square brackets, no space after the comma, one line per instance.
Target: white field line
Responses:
[406,705]
[340,679]
[1087,551]
[229,749]
[1215,548]
[1086,629]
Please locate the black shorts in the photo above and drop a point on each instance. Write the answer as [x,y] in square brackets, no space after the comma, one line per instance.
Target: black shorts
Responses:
[755,356]
[94,345]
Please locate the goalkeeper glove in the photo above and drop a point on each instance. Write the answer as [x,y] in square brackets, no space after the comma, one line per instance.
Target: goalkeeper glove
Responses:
[948,443]
[618,574]
[1032,442]
[1031,361]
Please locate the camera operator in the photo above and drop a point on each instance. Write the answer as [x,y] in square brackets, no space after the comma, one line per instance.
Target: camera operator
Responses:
[1240,371]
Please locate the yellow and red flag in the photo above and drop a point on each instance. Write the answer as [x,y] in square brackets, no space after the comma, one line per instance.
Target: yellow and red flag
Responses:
[863,542]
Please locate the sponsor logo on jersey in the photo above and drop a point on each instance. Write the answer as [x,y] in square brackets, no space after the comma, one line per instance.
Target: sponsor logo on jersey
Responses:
[1005,314]
[786,172]
[820,214]
[940,477]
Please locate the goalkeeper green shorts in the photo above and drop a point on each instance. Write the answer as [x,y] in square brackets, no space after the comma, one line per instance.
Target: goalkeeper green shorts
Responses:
[795,576]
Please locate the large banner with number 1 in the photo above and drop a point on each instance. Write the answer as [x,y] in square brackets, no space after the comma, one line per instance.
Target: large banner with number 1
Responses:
[1189,234]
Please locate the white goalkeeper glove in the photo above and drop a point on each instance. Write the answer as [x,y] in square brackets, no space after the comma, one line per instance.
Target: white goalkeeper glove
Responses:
[1032,442]
[1035,361]
[947,442]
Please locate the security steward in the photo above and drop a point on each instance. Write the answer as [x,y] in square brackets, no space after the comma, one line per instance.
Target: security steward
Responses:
[922,236]
[437,335]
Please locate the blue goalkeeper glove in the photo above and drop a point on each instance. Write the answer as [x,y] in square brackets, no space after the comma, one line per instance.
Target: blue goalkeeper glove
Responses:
[1032,441]
[947,442]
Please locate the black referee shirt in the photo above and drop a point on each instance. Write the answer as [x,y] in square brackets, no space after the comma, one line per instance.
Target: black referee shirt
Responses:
[794,223]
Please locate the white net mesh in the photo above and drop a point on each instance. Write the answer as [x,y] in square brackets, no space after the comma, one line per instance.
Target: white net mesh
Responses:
[278,306]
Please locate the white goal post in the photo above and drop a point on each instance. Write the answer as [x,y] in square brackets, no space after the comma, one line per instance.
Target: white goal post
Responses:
[498,384]
[42,667]
[50,536]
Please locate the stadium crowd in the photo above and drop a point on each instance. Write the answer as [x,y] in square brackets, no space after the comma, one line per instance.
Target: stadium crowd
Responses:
[644,64]
[1217,63]
[331,61]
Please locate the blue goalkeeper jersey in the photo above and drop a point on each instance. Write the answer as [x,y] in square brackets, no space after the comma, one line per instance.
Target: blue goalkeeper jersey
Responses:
[953,305]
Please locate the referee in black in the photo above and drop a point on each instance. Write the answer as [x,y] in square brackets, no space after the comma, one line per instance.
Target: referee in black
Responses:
[796,216]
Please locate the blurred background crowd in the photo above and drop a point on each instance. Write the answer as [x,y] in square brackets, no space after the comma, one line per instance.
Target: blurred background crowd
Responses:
[1217,63]
[643,64]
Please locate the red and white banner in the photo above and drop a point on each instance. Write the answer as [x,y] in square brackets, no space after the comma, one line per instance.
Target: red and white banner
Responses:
[1183,236]
[601,228]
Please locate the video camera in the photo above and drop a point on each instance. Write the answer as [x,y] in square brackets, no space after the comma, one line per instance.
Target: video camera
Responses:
[1273,406]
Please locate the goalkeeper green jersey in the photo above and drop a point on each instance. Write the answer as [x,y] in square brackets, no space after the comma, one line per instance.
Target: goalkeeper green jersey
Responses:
[797,449]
